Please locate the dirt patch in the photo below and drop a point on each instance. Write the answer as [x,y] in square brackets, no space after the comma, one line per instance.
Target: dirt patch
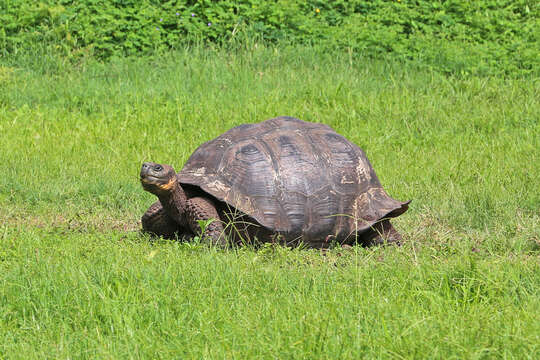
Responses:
[81,222]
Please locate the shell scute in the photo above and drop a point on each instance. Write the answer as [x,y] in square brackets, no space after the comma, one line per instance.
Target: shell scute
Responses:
[292,176]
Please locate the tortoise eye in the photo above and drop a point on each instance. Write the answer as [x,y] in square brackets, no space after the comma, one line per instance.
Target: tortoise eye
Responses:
[158,168]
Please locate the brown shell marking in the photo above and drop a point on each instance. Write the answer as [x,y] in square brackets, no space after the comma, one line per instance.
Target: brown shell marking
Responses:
[292,176]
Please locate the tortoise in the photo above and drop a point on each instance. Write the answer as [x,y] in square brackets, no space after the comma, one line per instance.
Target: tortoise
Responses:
[282,180]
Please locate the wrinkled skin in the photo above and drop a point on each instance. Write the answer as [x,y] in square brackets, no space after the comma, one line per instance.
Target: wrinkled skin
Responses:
[176,213]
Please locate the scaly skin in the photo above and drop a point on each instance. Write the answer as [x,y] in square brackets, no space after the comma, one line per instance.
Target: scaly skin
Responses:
[156,222]
[175,214]
[200,208]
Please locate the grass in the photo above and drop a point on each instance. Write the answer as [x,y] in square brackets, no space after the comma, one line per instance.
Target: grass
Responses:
[79,281]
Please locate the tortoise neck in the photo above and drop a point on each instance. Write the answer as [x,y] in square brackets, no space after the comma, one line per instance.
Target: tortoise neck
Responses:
[174,202]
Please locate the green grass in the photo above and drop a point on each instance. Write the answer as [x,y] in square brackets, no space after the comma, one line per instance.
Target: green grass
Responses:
[79,281]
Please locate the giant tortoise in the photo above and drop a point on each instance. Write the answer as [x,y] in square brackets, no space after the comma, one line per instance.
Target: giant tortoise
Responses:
[282,180]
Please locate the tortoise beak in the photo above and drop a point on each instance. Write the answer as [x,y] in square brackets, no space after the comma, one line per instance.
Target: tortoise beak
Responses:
[146,169]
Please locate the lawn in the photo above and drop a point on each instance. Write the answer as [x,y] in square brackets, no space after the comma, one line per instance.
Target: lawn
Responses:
[79,280]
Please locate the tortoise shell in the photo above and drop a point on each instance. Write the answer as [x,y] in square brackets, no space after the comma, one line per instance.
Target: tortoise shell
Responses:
[292,177]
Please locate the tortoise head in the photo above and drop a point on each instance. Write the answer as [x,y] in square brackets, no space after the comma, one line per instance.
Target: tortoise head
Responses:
[157,178]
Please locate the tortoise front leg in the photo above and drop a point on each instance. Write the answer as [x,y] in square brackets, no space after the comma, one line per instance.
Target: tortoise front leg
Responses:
[200,208]
[155,221]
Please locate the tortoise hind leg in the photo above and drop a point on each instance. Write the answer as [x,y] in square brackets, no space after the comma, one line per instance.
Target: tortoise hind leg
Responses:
[155,221]
[382,233]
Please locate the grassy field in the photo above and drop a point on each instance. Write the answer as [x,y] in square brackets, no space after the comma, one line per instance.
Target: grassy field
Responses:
[79,281]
